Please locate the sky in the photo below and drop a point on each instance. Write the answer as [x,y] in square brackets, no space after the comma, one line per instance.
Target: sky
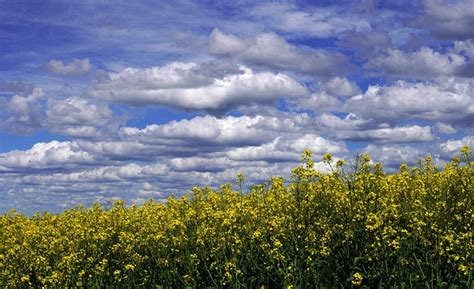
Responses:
[103,100]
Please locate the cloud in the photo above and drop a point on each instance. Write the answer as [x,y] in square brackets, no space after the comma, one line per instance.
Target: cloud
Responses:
[331,95]
[321,22]
[445,128]
[334,123]
[450,100]
[226,44]
[450,19]
[254,85]
[49,155]
[410,133]
[465,48]
[194,137]
[17,87]
[424,63]
[75,68]
[201,164]
[22,113]
[181,85]
[321,102]
[209,131]
[392,156]
[366,43]
[73,116]
[354,127]
[79,117]
[123,150]
[286,148]
[272,51]
[453,146]
[341,87]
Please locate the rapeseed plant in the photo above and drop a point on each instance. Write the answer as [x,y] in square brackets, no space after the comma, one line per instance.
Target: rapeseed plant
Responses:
[353,227]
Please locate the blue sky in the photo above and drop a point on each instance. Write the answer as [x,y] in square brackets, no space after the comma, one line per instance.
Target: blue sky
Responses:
[101,100]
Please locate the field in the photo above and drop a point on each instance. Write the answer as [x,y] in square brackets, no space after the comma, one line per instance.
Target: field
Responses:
[356,227]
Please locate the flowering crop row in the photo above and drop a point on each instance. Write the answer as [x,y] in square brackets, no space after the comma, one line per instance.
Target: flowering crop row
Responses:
[354,227]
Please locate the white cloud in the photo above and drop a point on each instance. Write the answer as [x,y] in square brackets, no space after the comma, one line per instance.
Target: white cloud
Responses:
[424,63]
[332,122]
[411,133]
[321,101]
[453,146]
[445,128]
[124,150]
[286,148]
[79,117]
[76,110]
[331,95]
[211,131]
[181,85]
[53,154]
[273,51]
[207,129]
[76,67]
[394,155]
[341,87]
[220,43]
[315,22]
[449,100]
[354,127]
[465,48]
[22,113]
[207,164]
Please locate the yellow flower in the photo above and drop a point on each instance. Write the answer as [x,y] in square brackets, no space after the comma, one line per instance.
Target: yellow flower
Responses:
[357,279]
[25,278]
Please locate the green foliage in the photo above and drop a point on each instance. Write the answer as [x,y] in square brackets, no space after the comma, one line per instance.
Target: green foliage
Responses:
[366,228]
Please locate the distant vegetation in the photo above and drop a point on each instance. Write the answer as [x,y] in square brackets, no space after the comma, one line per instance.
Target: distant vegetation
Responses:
[353,227]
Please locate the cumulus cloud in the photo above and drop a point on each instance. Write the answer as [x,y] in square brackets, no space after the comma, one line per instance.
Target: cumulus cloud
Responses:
[49,155]
[354,127]
[445,128]
[393,155]
[125,150]
[286,148]
[200,164]
[450,19]
[453,146]
[331,95]
[212,131]
[331,122]
[450,100]
[201,134]
[272,51]
[75,68]
[341,87]
[79,117]
[73,116]
[181,85]
[321,102]
[410,133]
[22,113]
[423,63]
[465,48]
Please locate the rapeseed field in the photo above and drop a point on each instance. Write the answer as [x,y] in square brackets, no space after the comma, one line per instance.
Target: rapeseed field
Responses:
[355,227]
